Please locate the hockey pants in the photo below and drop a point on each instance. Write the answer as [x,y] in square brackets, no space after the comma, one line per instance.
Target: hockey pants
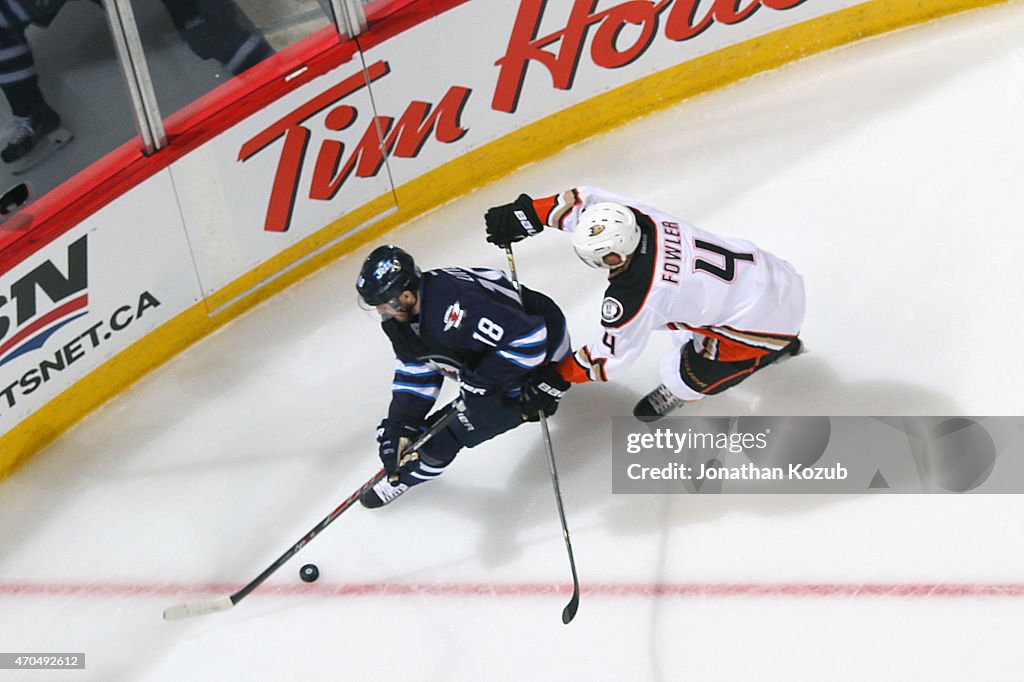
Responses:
[468,430]
[693,373]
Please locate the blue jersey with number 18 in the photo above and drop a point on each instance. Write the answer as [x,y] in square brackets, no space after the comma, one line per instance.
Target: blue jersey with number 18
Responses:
[472,328]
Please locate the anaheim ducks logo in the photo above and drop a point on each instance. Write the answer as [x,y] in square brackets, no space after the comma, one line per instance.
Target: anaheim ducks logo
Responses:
[596,230]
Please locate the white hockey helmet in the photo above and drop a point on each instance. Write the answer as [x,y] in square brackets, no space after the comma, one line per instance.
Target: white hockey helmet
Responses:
[605,228]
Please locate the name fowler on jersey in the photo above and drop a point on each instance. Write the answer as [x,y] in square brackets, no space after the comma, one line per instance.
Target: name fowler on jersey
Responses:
[672,252]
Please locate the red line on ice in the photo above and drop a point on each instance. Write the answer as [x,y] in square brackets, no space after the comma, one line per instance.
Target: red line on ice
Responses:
[904,590]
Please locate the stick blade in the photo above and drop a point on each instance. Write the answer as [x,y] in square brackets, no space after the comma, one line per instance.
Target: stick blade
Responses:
[569,612]
[197,608]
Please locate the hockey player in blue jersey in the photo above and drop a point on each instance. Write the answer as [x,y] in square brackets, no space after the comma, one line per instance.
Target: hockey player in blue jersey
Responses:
[466,324]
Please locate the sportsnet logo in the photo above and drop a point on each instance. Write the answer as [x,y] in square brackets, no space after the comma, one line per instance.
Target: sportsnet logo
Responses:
[42,301]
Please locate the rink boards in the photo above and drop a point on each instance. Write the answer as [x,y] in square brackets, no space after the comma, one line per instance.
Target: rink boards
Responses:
[304,180]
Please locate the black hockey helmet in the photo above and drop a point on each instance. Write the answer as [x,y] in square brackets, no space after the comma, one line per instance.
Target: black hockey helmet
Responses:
[386,273]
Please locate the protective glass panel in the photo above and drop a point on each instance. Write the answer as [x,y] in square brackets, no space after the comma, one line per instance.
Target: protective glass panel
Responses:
[306,171]
[193,46]
[65,103]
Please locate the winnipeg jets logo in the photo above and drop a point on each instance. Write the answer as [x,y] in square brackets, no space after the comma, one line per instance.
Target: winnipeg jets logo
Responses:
[386,266]
[453,316]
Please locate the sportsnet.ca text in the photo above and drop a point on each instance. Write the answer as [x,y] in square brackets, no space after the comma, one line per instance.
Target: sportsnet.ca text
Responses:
[55,362]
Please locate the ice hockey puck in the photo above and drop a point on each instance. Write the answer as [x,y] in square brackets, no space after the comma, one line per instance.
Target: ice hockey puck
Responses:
[309,573]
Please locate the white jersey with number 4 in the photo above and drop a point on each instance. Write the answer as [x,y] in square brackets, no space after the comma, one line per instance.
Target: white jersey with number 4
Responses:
[734,299]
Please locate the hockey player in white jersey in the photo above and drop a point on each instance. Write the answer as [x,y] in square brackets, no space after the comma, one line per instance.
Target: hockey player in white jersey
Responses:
[732,308]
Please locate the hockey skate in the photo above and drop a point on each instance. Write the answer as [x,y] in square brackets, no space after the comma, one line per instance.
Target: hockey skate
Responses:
[35,138]
[657,404]
[382,493]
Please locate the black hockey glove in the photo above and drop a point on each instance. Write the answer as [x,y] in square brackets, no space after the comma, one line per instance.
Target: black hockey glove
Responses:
[512,222]
[393,438]
[541,392]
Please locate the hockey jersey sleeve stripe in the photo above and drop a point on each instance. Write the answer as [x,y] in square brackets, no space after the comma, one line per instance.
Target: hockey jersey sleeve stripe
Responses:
[538,337]
[580,367]
[430,392]
[571,370]
[409,368]
[527,361]
[432,378]
[543,207]
[495,281]
[553,210]
[597,372]
[488,273]
[416,374]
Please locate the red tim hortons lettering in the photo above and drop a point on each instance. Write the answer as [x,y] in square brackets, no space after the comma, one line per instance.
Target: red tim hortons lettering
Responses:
[681,23]
[296,140]
[406,139]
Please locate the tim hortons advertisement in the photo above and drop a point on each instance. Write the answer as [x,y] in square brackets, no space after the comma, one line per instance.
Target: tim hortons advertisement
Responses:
[524,61]
[341,141]
[87,296]
[332,163]
[616,36]
[330,147]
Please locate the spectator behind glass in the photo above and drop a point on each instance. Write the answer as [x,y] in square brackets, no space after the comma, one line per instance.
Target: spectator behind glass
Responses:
[213,29]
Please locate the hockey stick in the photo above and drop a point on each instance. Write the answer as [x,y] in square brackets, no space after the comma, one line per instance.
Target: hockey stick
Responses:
[199,608]
[569,612]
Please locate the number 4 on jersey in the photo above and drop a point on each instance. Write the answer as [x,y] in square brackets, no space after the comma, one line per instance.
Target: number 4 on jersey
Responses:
[726,273]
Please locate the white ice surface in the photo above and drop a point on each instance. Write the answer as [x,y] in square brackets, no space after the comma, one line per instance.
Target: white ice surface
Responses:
[888,172]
